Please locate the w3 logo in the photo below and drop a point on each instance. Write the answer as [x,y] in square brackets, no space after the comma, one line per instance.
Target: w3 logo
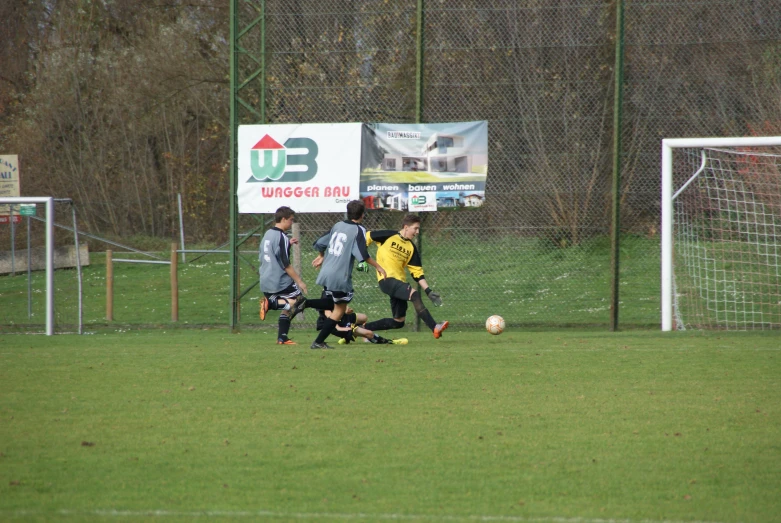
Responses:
[270,161]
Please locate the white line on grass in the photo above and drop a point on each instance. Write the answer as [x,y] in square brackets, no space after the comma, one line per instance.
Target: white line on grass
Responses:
[330,516]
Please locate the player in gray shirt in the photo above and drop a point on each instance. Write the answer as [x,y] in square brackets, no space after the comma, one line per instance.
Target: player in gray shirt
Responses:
[347,243]
[280,283]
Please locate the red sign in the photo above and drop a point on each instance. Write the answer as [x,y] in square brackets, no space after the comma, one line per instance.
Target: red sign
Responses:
[4,219]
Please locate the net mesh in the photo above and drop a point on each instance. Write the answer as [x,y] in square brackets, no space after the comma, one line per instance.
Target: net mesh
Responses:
[23,264]
[727,255]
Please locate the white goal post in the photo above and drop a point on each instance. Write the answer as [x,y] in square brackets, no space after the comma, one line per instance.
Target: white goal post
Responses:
[669,193]
[49,202]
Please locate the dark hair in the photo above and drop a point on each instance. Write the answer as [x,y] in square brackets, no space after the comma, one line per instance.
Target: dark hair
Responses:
[410,219]
[355,210]
[282,213]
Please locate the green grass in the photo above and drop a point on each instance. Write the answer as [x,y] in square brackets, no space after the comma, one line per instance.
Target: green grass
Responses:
[527,281]
[539,426]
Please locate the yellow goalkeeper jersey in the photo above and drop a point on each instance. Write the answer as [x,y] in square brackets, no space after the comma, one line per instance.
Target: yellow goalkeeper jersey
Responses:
[394,254]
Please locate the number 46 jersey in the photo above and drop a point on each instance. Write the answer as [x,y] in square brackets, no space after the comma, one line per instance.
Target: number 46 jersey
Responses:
[346,244]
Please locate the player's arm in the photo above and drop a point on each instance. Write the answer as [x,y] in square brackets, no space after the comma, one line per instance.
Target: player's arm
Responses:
[320,245]
[296,278]
[415,268]
[363,254]
[284,261]
[378,237]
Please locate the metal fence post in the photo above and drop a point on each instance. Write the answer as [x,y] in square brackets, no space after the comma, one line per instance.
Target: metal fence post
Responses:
[615,232]
[109,286]
[174,284]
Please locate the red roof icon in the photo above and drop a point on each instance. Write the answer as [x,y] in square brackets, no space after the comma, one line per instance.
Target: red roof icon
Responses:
[267,142]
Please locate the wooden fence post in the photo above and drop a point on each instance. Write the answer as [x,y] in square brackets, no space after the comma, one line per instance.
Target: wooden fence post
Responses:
[109,285]
[174,285]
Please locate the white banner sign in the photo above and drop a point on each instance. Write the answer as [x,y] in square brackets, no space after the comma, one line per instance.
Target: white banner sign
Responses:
[9,184]
[307,167]
[422,201]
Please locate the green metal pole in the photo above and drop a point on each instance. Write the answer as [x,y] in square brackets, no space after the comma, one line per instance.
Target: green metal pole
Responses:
[615,232]
[233,208]
[419,64]
[419,57]
[263,62]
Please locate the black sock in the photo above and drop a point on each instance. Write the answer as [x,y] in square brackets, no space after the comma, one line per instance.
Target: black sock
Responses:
[383,324]
[425,315]
[284,327]
[328,326]
[320,304]
[348,335]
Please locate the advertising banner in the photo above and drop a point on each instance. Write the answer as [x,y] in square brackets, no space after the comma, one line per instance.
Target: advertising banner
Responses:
[424,167]
[9,185]
[308,167]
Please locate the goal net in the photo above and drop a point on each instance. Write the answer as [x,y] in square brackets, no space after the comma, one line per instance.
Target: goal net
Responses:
[724,216]
[40,270]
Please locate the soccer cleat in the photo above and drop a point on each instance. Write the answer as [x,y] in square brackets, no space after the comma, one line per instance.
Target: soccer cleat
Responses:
[288,341]
[316,345]
[298,306]
[400,341]
[263,308]
[440,328]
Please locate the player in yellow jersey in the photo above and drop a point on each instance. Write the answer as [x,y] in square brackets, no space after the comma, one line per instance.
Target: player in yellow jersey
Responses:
[397,254]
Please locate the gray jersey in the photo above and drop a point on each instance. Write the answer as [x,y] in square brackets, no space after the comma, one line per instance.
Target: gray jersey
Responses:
[274,257]
[346,244]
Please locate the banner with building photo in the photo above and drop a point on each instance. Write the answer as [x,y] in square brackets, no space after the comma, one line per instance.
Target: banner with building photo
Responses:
[308,167]
[9,186]
[424,167]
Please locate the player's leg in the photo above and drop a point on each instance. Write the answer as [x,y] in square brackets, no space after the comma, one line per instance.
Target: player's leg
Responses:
[345,329]
[284,301]
[321,304]
[277,301]
[283,326]
[421,309]
[340,300]
[425,315]
[399,292]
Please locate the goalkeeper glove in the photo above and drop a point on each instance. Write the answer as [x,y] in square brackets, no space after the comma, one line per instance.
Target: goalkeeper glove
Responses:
[434,297]
[363,267]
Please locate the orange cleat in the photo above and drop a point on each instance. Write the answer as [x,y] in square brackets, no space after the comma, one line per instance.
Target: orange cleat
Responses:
[440,328]
[286,342]
[263,308]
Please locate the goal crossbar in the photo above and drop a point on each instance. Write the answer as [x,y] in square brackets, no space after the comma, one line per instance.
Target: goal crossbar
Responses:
[668,145]
[49,202]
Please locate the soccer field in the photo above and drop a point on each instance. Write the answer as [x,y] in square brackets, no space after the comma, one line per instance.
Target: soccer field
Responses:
[528,426]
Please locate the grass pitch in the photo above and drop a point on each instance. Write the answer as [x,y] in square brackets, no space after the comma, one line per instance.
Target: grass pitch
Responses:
[527,426]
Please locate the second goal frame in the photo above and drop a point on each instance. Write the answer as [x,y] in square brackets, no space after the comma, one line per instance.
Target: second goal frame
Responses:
[668,146]
[49,202]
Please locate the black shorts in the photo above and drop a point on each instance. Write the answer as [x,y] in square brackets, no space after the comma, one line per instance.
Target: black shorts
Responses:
[339,296]
[288,293]
[399,292]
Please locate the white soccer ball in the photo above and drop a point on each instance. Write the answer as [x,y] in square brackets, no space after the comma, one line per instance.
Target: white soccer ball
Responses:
[494,324]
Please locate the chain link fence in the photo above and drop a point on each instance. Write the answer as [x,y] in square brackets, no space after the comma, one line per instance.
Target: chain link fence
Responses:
[542,74]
